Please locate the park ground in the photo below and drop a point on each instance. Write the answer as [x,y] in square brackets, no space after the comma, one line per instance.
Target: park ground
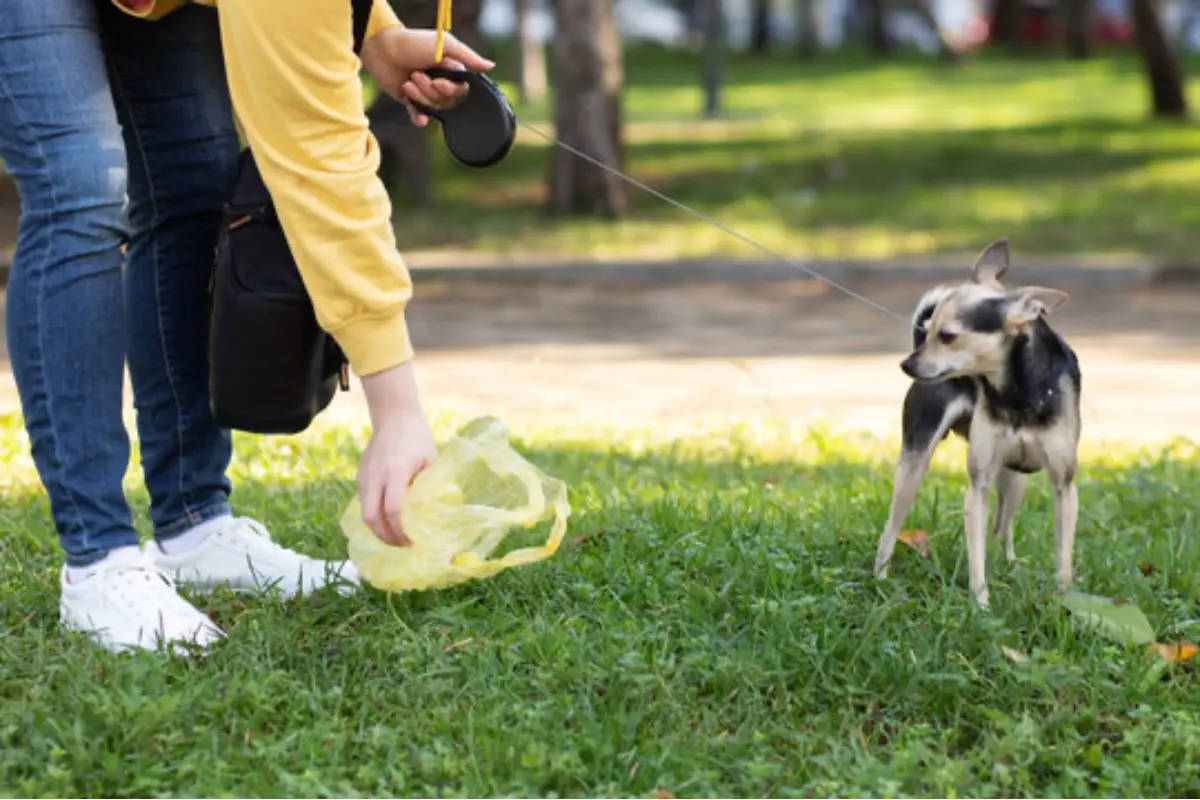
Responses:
[711,626]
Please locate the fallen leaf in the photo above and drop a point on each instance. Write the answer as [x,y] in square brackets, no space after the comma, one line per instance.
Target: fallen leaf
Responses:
[584,537]
[1015,655]
[1119,619]
[1147,568]
[1172,652]
[917,540]
[661,795]
[459,645]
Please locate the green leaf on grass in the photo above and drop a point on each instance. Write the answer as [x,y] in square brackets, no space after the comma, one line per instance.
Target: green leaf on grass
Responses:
[1120,620]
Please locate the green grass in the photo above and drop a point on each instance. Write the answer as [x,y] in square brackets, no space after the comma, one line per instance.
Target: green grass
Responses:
[852,157]
[718,634]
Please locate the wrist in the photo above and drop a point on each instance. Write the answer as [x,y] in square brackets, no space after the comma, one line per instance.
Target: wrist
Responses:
[392,393]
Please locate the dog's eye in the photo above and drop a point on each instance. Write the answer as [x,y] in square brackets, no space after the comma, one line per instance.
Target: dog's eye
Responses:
[946,337]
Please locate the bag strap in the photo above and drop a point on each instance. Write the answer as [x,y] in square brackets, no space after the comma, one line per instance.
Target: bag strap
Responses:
[361,11]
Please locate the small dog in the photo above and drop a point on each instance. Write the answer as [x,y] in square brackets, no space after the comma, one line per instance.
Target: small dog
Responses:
[987,365]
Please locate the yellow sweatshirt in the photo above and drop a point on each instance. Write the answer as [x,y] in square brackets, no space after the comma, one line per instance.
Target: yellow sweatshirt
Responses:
[293,79]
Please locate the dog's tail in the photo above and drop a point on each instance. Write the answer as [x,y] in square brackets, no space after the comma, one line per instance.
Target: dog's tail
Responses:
[925,308]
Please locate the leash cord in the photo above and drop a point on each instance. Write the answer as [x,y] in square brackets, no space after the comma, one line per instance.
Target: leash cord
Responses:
[715,223]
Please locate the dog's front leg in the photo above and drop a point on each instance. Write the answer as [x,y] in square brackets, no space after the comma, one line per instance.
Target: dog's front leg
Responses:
[910,471]
[981,471]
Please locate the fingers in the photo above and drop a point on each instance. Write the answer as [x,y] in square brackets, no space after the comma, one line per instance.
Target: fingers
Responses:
[393,504]
[434,93]
[370,496]
[418,119]
[454,49]
[382,504]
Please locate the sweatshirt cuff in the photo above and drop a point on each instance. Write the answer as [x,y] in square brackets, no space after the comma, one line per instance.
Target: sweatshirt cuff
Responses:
[375,345]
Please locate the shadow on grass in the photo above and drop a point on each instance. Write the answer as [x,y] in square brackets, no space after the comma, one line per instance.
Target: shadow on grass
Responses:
[718,628]
[1056,188]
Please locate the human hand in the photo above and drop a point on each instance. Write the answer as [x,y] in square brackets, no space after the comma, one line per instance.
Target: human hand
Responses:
[395,57]
[401,446]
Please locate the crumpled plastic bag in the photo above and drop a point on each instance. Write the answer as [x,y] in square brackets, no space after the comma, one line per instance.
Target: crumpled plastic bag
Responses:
[458,511]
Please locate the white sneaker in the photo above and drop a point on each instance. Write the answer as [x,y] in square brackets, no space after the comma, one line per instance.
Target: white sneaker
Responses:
[238,554]
[126,603]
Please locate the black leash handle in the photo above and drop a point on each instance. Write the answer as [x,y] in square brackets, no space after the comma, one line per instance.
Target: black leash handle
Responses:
[480,130]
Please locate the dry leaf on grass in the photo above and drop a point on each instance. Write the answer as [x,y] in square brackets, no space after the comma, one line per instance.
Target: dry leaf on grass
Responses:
[1172,652]
[917,540]
[1015,655]
[588,537]
[1147,568]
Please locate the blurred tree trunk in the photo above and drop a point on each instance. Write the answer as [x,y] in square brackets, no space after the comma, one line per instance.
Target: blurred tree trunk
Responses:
[692,16]
[587,75]
[808,42]
[1077,28]
[760,28]
[531,58]
[404,148]
[1161,62]
[714,24]
[881,43]
[1009,20]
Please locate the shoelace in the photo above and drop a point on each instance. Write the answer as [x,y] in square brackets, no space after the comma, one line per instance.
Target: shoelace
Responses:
[261,537]
[140,585]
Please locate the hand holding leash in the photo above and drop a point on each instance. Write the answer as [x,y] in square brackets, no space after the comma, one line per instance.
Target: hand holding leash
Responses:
[399,60]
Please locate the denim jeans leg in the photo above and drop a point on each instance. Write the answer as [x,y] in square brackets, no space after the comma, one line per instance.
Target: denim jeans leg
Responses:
[168,80]
[60,140]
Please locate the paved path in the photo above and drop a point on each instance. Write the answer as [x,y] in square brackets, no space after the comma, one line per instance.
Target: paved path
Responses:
[683,355]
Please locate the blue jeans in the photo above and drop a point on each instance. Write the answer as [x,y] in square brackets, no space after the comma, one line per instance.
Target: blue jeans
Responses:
[117,132]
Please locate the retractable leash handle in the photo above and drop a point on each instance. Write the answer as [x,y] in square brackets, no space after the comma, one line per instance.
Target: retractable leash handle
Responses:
[481,129]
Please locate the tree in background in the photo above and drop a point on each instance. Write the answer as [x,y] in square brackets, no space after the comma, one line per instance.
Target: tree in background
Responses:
[1161,62]
[714,46]
[1078,18]
[877,33]
[587,75]
[531,57]
[1009,19]
[760,27]
[807,41]
[404,148]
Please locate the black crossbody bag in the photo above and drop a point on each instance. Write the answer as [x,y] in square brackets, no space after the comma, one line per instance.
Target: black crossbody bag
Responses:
[272,368]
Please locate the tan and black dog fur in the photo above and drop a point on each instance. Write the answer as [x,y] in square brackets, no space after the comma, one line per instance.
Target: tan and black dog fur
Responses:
[987,365]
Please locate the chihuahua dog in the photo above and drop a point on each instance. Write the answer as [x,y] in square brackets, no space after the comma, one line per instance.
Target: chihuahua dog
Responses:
[987,365]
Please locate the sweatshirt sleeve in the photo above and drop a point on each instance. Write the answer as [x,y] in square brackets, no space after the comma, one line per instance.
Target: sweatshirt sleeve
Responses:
[294,81]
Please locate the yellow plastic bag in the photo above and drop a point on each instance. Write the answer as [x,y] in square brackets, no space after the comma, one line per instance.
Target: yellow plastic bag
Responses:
[458,511]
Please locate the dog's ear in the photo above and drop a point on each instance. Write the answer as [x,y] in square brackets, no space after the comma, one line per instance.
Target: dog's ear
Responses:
[1027,304]
[992,264]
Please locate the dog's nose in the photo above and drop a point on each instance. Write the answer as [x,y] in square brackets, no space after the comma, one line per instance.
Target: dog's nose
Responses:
[909,366]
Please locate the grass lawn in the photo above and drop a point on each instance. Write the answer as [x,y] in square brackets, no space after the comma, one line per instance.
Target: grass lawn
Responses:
[851,157]
[718,633]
